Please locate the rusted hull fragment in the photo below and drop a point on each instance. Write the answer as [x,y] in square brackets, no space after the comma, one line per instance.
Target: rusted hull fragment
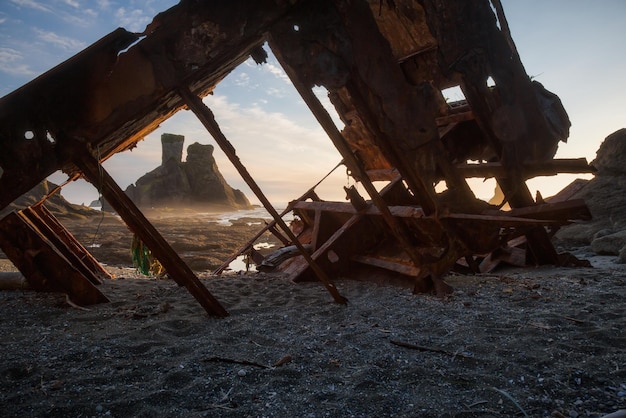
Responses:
[385,65]
[44,263]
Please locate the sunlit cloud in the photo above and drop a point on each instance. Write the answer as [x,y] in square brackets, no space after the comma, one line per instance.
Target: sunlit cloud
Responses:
[270,142]
[277,72]
[72,3]
[63,42]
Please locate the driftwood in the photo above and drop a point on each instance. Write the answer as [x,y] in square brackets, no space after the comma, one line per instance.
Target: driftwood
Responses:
[272,261]
[427,349]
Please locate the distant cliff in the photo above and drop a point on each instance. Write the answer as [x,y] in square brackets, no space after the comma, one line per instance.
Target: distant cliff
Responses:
[56,203]
[194,182]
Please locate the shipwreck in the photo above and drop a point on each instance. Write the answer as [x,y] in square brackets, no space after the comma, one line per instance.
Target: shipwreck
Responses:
[384,64]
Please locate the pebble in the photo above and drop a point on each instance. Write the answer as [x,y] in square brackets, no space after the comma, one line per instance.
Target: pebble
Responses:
[241,373]
[99,409]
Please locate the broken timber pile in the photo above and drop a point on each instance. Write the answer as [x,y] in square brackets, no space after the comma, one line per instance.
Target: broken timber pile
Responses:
[384,64]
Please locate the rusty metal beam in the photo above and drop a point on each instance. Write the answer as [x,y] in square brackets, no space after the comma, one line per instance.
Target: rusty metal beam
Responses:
[65,242]
[271,226]
[205,116]
[137,222]
[41,262]
[112,94]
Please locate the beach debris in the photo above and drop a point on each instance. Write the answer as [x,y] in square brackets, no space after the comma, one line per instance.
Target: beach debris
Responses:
[284,360]
[400,129]
[429,349]
[509,397]
[144,260]
[73,305]
[215,359]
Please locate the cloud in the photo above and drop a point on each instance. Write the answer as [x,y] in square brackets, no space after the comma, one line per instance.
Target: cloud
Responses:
[271,145]
[134,20]
[103,4]
[242,80]
[91,13]
[63,42]
[86,18]
[72,3]
[11,63]
[276,71]
[32,4]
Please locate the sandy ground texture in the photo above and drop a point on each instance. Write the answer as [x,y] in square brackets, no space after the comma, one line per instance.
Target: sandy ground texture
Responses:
[537,342]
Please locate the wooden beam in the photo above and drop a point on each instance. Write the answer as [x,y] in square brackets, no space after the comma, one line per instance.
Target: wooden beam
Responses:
[137,222]
[112,95]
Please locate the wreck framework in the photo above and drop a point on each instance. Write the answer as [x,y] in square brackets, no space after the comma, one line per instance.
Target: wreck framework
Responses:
[384,64]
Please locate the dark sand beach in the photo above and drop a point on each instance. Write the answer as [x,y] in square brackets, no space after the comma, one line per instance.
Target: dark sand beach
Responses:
[535,342]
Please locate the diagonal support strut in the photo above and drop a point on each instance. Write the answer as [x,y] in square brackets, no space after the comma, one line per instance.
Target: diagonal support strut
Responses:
[205,116]
[137,222]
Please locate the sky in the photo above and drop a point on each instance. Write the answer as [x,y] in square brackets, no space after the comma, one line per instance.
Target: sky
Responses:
[575,50]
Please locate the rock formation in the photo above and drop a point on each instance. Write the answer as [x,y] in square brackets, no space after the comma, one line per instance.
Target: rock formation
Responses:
[194,182]
[605,195]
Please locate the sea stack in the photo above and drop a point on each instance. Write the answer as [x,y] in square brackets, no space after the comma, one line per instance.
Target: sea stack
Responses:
[196,182]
